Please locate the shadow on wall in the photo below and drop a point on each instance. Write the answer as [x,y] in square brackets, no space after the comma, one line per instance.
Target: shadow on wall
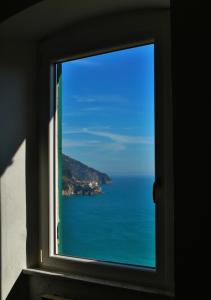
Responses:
[9,10]
[33,287]
[20,289]
[18,123]
[19,110]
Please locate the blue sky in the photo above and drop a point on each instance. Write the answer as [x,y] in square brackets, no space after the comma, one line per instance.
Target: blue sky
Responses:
[108,111]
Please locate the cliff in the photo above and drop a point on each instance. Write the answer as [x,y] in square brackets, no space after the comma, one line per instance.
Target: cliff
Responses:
[78,178]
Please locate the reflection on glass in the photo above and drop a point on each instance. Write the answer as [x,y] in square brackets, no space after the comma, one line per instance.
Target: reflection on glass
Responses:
[106,157]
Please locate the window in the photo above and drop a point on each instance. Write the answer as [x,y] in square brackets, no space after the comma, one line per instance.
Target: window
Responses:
[106,122]
[74,135]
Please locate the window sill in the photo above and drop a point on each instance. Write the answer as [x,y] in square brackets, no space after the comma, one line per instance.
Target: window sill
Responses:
[108,283]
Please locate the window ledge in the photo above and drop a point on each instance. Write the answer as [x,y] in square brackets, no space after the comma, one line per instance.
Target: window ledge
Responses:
[109,283]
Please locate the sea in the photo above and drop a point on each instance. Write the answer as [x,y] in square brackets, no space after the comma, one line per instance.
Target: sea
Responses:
[115,226]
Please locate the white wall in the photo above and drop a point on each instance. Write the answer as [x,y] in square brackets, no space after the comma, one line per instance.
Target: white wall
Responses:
[17,126]
[18,157]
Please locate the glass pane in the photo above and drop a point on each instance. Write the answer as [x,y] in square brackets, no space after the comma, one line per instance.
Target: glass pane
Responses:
[106,157]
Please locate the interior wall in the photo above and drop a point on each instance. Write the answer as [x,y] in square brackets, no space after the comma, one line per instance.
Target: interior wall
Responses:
[191,89]
[17,6]
[192,146]
[17,171]
[18,186]
[76,289]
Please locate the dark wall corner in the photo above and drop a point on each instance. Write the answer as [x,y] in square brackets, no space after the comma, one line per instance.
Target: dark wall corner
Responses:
[9,8]
[20,289]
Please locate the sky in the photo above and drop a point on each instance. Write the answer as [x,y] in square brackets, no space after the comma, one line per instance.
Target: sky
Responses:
[108,111]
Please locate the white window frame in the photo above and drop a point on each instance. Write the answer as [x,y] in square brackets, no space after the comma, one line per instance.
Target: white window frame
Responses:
[141,27]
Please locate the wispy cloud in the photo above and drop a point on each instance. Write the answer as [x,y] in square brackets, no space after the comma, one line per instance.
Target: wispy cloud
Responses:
[95,144]
[84,111]
[84,99]
[117,138]
[84,62]
[93,108]
[66,143]
[116,147]
[99,98]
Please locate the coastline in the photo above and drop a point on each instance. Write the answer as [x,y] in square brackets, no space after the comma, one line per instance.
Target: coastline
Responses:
[125,222]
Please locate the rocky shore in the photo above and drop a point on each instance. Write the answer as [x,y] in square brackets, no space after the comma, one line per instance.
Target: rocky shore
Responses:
[81,188]
[79,179]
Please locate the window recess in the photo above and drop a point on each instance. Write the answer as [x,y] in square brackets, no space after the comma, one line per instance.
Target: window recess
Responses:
[81,120]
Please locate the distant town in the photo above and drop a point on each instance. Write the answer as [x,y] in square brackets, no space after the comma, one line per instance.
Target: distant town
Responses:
[79,179]
[86,188]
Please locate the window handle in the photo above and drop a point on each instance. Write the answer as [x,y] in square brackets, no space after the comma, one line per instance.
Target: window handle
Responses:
[156,190]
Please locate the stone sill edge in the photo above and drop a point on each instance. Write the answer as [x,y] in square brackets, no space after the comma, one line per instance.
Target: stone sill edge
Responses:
[43,272]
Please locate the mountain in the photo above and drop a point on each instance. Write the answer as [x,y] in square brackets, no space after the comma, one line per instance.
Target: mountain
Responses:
[78,178]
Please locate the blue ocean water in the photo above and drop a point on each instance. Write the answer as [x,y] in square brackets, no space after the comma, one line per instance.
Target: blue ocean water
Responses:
[116,226]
